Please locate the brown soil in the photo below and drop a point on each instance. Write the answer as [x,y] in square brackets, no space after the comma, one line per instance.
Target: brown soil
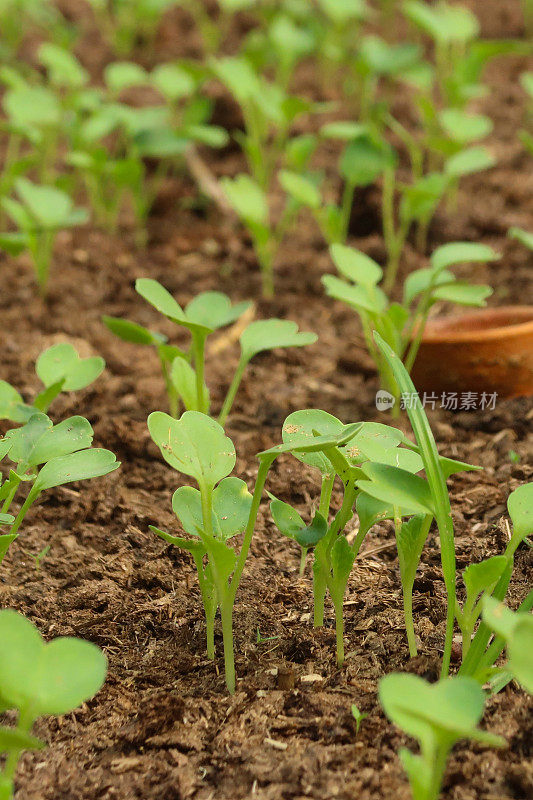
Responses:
[163,727]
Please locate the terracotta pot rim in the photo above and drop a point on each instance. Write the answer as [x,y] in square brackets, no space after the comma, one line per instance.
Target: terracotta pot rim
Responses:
[445,330]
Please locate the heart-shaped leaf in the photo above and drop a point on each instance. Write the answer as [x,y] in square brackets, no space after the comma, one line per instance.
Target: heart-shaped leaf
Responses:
[195,445]
[214,310]
[310,535]
[162,300]
[452,707]
[61,362]
[41,678]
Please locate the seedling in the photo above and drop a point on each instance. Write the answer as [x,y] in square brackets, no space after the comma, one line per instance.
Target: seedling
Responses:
[402,324]
[184,371]
[214,513]
[358,717]
[365,158]
[479,655]
[125,24]
[60,369]
[39,679]
[47,455]
[39,214]
[438,716]
[515,629]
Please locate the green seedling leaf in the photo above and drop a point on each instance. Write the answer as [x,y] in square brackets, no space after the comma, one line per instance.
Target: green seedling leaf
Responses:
[174,82]
[448,255]
[286,518]
[310,536]
[342,11]
[381,58]
[300,189]
[12,406]
[247,199]
[41,678]
[364,160]
[50,207]
[224,557]
[183,378]
[519,650]
[444,22]
[32,106]
[397,487]
[356,266]
[466,162]
[269,334]
[520,507]
[39,441]
[463,294]
[358,717]
[344,130]
[421,280]
[524,237]
[194,547]
[450,466]
[463,127]
[63,68]
[482,576]
[131,332]
[342,558]
[79,466]
[370,511]
[195,445]
[125,74]
[214,310]
[366,298]
[410,540]
[6,540]
[420,200]
[231,503]
[13,243]
[162,300]
[498,617]
[300,425]
[448,709]
[61,362]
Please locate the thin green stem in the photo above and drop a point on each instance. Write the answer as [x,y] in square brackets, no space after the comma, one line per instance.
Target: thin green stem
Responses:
[226,613]
[22,513]
[9,498]
[198,346]
[339,629]
[232,391]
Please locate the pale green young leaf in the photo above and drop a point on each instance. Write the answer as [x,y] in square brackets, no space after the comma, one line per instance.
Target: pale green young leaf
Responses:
[464,294]
[286,518]
[520,652]
[524,237]
[520,507]
[247,199]
[301,189]
[420,281]
[300,425]
[481,576]
[366,298]
[464,127]
[61,362]
[269,334]
[448,255]
[410,541]
[12,406]
[183,378]
[214,310]
[466,162]
[13,740]
[32,106]
[355,265]
[342,558]
[62,66]
[121,75]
